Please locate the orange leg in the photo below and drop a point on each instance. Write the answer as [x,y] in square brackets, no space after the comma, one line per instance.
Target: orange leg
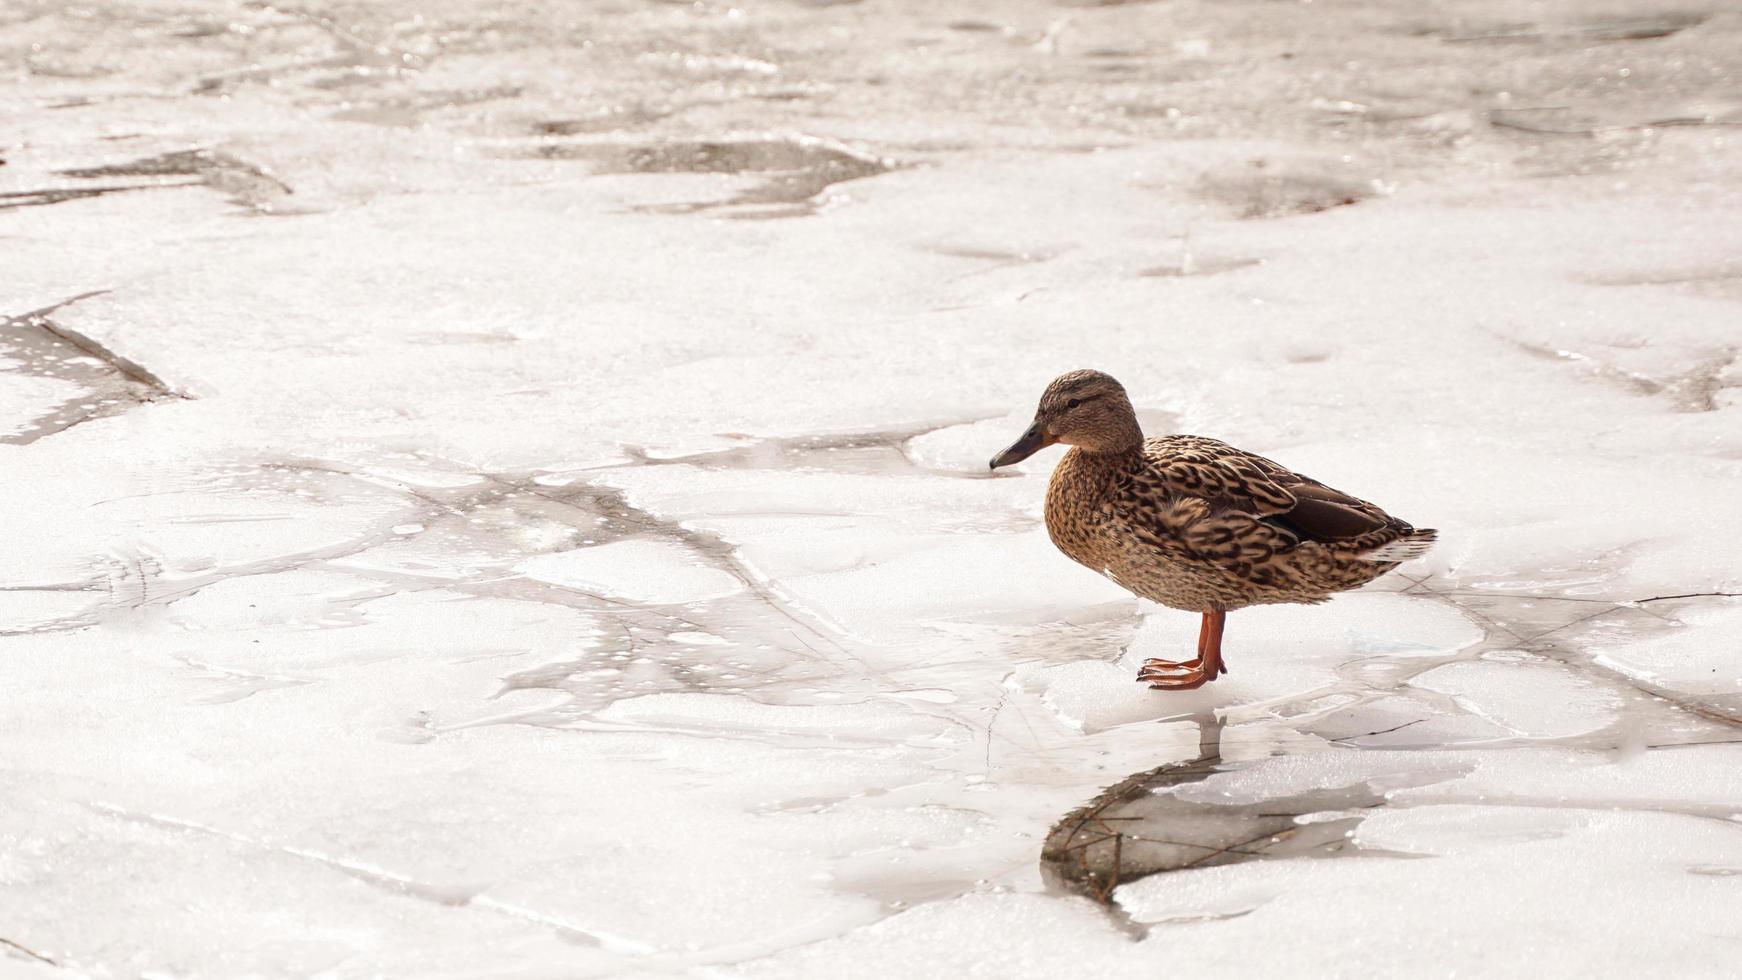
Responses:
[1218,619]
[1168,675]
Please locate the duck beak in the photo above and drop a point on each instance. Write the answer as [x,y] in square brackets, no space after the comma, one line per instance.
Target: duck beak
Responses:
[1032,441]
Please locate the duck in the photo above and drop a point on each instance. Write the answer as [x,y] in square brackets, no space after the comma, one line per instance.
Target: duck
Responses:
[1195,524]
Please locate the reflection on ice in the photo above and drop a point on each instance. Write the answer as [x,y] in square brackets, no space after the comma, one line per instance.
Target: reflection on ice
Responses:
[1549,690]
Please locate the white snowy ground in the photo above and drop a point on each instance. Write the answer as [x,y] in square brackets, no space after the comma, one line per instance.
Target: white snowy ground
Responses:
[539,526]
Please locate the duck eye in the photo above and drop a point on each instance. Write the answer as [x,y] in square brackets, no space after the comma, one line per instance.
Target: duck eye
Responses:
[1073,403]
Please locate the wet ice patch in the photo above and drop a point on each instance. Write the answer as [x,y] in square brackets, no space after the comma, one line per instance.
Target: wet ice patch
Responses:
[1698,778]
[1306,648]
[1537,872]
[1024,935]
[697,638]
[791,171]
[27,610]
[1292,775]
[24,400]
[1402,720]
[1700,658]
[51,359]
[190,533]
[295,599]
[1092,696]
[431,479]
[874,720]
[242,182]
[1271,188]
[1005,579]
[1526,696]
[639,571]
[969,448]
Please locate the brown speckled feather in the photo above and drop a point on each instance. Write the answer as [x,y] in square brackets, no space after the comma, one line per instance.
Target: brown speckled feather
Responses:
[1196,524]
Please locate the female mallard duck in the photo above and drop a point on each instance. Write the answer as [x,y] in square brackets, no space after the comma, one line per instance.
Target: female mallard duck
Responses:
[1194,523]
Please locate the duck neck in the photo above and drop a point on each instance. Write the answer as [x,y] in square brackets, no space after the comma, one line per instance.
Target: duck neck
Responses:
[1114,441]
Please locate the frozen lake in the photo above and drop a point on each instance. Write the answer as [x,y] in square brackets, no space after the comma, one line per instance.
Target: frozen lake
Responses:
[504,494]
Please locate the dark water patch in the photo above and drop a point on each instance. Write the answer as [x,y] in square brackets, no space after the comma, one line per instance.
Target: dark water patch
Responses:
[797,93]
[1541,122]
[1107,53]
[1623,29]
[608,120]
[187,163]
[60,195]
[1192,265]
[1001,256]
[1696,388]
[994,259]
[1722,281]
[242,182]
[1643,28]
[201,30]
[1566,121]
[1264,189]
[791,172]
[409,111]
[108,383]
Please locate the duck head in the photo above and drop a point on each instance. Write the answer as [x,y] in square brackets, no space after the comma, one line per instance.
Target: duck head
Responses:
[1086,409]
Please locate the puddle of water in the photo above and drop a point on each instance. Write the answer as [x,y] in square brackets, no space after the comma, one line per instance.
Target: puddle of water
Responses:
[608,120]
[1576,32]
[1195,265]
[1279,188]
[792,172]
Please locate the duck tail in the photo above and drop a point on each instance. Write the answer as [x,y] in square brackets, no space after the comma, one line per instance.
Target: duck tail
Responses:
[1413,544]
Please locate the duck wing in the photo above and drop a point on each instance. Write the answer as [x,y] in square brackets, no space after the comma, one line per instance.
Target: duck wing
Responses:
[1220,502]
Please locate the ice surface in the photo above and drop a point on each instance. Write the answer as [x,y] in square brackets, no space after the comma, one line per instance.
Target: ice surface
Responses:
[506,494]
[1700,658]
[27,399]
[1524,696]
[643,571]
[1548,873]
